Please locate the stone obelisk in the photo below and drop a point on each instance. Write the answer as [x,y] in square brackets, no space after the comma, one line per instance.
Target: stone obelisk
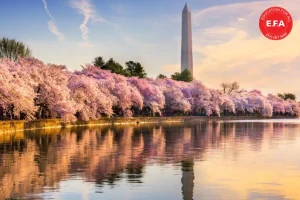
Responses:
[186,40]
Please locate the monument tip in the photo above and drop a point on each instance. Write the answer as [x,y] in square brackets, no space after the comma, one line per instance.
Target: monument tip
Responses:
[186,8]
[186,40]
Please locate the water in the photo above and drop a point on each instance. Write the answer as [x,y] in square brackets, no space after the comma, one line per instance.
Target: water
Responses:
[199,160]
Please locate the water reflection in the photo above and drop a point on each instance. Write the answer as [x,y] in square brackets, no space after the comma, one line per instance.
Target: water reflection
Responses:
[216,160]
[187,179]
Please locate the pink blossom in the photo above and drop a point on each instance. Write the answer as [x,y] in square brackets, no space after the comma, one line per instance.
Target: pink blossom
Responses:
[29,88]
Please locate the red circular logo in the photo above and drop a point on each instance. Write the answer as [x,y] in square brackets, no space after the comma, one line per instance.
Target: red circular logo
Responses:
[275,23]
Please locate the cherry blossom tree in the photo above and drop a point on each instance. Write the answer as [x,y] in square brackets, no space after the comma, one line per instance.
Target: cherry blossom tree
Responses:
[175,100]
[256,102]
[16,94]
[50,84]
[124,94]
[277,103]
[90,101]
[152,96]
[240,101]
[292,107]
[30,89]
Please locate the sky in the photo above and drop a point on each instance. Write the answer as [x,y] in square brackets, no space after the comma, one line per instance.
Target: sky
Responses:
[227,43]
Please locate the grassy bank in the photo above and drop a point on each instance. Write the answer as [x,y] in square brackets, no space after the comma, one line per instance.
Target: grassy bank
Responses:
[14,126]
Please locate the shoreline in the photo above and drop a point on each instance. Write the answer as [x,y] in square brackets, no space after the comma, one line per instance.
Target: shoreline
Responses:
[21,125]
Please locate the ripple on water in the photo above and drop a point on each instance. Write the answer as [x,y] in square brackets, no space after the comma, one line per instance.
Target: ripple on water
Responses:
[220,160]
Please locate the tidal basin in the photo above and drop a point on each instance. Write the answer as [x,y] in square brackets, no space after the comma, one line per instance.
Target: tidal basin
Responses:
[254,159]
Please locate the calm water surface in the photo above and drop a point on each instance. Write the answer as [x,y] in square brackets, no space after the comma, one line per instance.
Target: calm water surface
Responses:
[200,160]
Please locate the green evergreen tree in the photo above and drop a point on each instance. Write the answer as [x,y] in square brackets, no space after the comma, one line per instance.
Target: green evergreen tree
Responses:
[287,96]
[136,69]
[12,49]
[176,76]
[99,62]
[161,76]
[185,76]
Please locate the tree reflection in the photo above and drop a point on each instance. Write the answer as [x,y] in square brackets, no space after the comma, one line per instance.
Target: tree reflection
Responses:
[105,155]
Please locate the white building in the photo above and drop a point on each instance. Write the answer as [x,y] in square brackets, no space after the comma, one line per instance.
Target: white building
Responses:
[186,41]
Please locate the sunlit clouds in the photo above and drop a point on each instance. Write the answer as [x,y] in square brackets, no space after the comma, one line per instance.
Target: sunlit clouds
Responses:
[232,47]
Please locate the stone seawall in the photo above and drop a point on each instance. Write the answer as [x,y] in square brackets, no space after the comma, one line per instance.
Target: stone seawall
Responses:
[14,126]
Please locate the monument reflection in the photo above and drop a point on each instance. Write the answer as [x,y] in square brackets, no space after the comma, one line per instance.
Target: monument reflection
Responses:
[34,162]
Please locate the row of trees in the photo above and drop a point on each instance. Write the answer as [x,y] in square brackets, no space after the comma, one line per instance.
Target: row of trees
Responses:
[132,68]
[136,69]
[30,89]
[228,88]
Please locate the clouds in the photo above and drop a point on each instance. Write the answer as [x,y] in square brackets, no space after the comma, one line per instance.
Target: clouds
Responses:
[53,28]
[87,9]
[242,10]
[232,48]
[47,10]
[51,24]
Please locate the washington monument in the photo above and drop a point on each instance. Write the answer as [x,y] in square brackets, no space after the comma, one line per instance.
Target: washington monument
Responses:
[186,41]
